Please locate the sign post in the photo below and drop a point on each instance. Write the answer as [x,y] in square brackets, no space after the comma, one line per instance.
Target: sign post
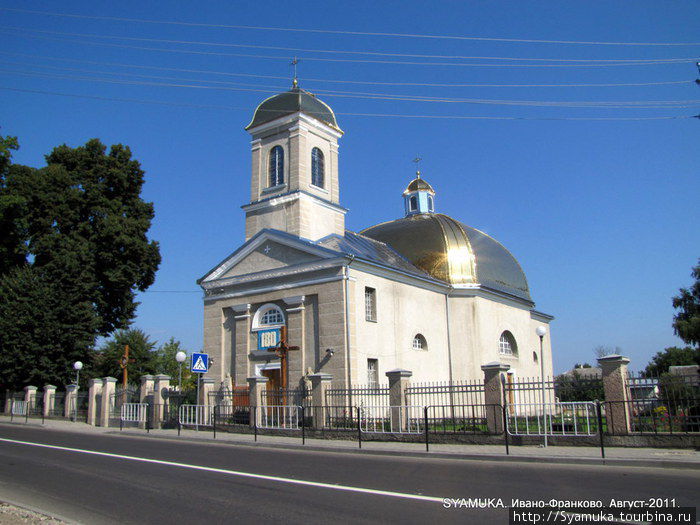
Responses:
[199,365]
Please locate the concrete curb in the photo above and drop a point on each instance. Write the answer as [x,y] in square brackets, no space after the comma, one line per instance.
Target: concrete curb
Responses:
[560,460]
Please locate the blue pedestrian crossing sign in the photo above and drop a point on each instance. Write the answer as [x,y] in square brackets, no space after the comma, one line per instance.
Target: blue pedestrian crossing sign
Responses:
[200,363]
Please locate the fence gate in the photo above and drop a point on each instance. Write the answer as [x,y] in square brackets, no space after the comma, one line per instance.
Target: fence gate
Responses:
[576,418]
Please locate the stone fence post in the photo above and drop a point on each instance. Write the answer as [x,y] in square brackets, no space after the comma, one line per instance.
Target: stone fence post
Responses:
[8,401]
[162,385]
[49,399]
[70,401]
[93,402]
[146,393]
[206,388]
[30,397]
[256,390]
[319,384]
[109,400]
[617,409]
[493,395]
[399,381]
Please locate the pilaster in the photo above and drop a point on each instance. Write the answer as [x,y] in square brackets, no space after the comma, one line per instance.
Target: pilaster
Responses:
[494,380]
[614,368]
[109,390]
[399,381]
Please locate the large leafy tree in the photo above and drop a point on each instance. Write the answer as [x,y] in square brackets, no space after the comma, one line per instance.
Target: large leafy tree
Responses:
[142,358]
[686,323]
[672,356]
[78,227]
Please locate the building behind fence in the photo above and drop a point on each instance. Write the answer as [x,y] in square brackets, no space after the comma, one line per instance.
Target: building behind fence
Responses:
[628,404]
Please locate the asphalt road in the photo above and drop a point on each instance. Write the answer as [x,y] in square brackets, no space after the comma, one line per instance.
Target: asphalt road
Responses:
[224,483]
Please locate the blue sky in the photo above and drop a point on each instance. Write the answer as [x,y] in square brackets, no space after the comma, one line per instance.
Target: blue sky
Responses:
[602,214]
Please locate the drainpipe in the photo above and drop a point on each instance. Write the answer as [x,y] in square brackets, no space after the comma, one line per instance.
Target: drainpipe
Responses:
[449,341]
[346,278]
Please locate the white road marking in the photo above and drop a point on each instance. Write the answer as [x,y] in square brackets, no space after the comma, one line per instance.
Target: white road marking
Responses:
[346,488]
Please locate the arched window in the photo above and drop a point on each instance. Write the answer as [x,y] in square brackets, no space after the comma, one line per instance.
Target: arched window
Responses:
[419,342]
[430,203]
[413,203]
[268,316]
[507,344]
[317,168]
[276,168]
[534,357]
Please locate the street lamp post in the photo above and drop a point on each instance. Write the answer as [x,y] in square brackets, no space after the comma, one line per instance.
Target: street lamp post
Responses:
[541,331]
[77,366]
[180,358]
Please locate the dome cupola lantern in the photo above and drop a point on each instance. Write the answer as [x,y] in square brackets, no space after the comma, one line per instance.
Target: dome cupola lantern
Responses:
[419,197]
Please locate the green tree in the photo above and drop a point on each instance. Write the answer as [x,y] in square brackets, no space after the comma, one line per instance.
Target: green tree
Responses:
[686,323]
[575,387]
[167,364]
[47,322]
[81,225]
[142,356]
[672,356]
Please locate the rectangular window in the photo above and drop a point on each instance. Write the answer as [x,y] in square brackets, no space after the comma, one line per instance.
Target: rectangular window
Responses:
[370,304]
[373,372]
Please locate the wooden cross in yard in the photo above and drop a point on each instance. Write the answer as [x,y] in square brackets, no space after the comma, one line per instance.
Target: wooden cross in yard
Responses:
[124,363]
[282,350]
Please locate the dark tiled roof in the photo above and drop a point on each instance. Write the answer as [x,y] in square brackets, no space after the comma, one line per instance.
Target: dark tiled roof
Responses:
[291,102]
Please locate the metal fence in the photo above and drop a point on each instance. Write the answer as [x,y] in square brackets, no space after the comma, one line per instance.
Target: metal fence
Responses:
[358,395]
[665,404]
[445,393]
[576,418]
[391,419]
[289,417]
[122,396]
[299,396]
[195,415]
[134,412]
[461,419]
[57,404]
[528,390]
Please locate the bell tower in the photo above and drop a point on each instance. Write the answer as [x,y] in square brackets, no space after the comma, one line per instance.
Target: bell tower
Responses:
[294,180]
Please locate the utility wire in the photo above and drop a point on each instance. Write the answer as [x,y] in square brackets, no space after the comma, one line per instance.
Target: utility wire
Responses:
[336,81]
[348,52]
[356,33]
[343,60]
[649,104]
[276,88]
[440,117]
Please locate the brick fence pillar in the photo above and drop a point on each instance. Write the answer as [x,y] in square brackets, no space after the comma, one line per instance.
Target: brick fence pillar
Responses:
[8,401]
[94,403]
[109,392]
[146,393]
[70,400]
[319,384]
[256,391]
[30,397]
[399,381]
[493,395]
[617,410]
[49,399]
[160,396]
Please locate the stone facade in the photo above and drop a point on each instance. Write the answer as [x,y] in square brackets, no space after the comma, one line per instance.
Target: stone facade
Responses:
[317,288]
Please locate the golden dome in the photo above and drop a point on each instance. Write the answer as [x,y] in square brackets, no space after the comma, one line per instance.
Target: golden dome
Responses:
[453,252]
[418,184]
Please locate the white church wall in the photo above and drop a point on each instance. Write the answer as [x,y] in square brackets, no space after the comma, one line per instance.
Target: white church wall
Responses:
[403,311]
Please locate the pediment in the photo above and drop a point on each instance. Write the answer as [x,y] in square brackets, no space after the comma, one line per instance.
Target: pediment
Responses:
[266,252]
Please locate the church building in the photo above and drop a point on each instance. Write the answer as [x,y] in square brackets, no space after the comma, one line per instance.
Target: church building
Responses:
[423,293]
